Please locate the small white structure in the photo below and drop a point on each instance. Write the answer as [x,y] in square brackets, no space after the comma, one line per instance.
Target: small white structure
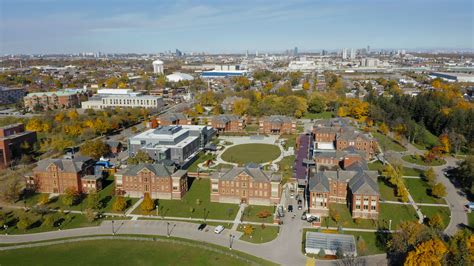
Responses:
[330,243]
[158,67]
[178,76]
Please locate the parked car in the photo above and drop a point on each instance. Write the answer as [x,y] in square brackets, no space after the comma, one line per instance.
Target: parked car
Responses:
[300,207]
[311,219]
[280,211]
[219,229]
[202,226]
[290,208]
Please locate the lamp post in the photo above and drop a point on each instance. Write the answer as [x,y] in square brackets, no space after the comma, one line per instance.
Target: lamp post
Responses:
[59,226]
[6,228]
[113,229]
[390,225]
[168,229]
[231,240]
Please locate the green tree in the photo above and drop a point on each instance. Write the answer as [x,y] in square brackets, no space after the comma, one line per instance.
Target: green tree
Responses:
[316,104]
[430,176]
[140,157]
[93,201]
[70,197]
[438,190]
[48,221]
[90,214]
[24,222]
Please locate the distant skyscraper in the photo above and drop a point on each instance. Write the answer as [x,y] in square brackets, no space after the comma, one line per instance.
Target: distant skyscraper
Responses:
[295,51]
[247,53]
[368,49]
[344,53]
[324,52]
[256,53]
[353,53]
[178,53]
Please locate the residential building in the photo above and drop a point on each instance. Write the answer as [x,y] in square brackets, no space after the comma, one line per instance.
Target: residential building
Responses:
[11,95]
[52,100]
[158,180]
[178,143]
[11,139]
[227,123]
[248,184]
[277,124]
[171,119]
[58,175]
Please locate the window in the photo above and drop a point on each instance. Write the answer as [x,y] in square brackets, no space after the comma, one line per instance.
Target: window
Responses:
[357,207]
[373,207]
[366,207]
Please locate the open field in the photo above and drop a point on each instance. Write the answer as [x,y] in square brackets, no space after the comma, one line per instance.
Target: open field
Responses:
[251,153]
[386,143]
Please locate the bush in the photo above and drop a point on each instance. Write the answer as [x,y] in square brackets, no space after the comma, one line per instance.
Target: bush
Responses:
[24,223]
[147,205]
[264,214]
[48,222]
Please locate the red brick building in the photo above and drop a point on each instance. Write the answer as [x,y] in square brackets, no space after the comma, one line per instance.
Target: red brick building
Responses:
[227,123]
[53,100]
[159,180]
[247,184]
[11,139]
[173,119]
[57,175]
[277,124]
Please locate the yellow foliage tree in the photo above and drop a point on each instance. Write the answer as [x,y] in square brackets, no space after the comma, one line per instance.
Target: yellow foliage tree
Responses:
[59,117]
[240,107]
[306,85]
[342,111]
[444,140]
[199,109]
[147,204]
[383,128]
[427,253]
[72,114]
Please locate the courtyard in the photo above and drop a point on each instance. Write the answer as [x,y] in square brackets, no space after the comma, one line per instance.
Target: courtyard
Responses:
[251,153]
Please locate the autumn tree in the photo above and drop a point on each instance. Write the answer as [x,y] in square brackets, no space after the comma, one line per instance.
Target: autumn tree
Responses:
[119,204]
[93,201]
[10,190]
[199,109]
[248,229]
[43,199]
[70,197]
[334,214]
[361,246]
[436,222]
[438,190]
[240,107]
[90,214]
[147,205]
[444,140]
[24,222]
[383,128]
[409,235]
[140,157]
[317,104]
[264,214]
[430,176]
[95,148]
[430,252]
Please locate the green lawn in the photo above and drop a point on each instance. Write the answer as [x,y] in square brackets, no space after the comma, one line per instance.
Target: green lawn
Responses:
[418,160]
[251,128]
[470,219]
[419,190]
[290,141]
[407,171]
[248,153]
[376,166]
[286,168]
[386,143]
[370,240]
[430,211]
[123,252]
[202,157]
[395,212]
[427,141]
[323,115]
[387,191]
[261,234]
[250,213]
[196,204]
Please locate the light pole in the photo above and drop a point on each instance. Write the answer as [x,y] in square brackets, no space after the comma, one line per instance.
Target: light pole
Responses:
[156,206]
[390,225]
[231,240]
[59,226]
[168,229]
[6,228]
[113,229]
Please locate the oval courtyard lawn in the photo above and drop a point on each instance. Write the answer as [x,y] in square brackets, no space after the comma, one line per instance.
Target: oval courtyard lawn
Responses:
[120,252]
[251,153]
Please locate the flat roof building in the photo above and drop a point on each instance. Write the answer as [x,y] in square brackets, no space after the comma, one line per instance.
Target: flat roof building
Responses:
[330,243]
[106,98]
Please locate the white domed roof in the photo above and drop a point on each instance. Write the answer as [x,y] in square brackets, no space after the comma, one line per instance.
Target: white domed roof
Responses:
[178,76]
[158,62]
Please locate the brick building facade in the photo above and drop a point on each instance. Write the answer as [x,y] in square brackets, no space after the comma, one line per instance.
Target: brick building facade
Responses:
[160,181]
[247,184]
[277,124]
[11,139]
[53,100]
[227,123]
[173,119]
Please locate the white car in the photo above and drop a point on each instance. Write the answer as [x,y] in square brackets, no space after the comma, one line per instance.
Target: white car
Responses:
[219,229]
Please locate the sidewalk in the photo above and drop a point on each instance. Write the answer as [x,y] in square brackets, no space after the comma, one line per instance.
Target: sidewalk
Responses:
[238,217]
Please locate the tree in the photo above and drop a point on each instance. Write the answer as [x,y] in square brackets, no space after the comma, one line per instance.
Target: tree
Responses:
[90,214]
[72,114]
[342,111]
[248,229]
[321,253]
[3,219]
[199,109]
[93,201]
[306,85]
[436,222]
[444,140]
[361,246]
[70,196]
[410,234]
[438,190]
[430,176]
[140,157]
[119,204]
[147,205]
[48,221]
[457,141]
[240,107]
[10,190]
[24,222]
[430,252]
[383,128]
[316,104]
[95,148]
[217,109]
[334,214]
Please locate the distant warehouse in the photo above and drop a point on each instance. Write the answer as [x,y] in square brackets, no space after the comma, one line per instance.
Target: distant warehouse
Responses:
[453,77]
[223,74]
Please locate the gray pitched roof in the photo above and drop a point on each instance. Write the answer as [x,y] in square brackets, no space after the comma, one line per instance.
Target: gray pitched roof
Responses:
[255,172]
[173,117]
[159,170]
[279,119]
[67,165]
[364,183]
[225,118]
[319,183]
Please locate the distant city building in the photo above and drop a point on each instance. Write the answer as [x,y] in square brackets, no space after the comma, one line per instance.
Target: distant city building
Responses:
[58,175]
[12,137]
[344,53]
[108,98]
[227,123]
[295,51]
[353,53]
[158,180]
[277,124]
[453,77]
[11,95]
[223,74]
[302,65]
[369,62]
[158,67]
[248,184]
[177,143]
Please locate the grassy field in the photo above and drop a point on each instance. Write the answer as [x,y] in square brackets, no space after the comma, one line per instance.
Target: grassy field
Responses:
[428,140]
[119,252]
[419,190]
[290,141]
[286,168]
[260,234]
[418,160]
[250,213]
[407,171]
[386,143]
[323,115]
[370,240]
[395,212]
[248,153]
[196,204]
[430,211]
[376,166]
[387,191]
[470,220]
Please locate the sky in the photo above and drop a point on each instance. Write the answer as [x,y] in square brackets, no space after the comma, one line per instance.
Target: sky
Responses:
[146,26]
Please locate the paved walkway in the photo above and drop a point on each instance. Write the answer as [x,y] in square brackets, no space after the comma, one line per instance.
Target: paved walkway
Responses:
[419,204]
[238,217]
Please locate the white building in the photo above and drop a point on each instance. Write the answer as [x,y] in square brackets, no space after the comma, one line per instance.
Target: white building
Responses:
[344,53]
[302,65]
[158,67]
[106,98]
[177,76]
[353,54]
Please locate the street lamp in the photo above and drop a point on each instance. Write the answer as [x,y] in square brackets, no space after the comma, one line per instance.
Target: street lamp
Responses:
[6,228]
[113,229]
[168,229]
[231,240]
[59,226]
[156,206]
[390,225]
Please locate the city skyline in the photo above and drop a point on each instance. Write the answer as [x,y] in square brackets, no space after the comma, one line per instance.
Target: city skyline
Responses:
[51,26]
